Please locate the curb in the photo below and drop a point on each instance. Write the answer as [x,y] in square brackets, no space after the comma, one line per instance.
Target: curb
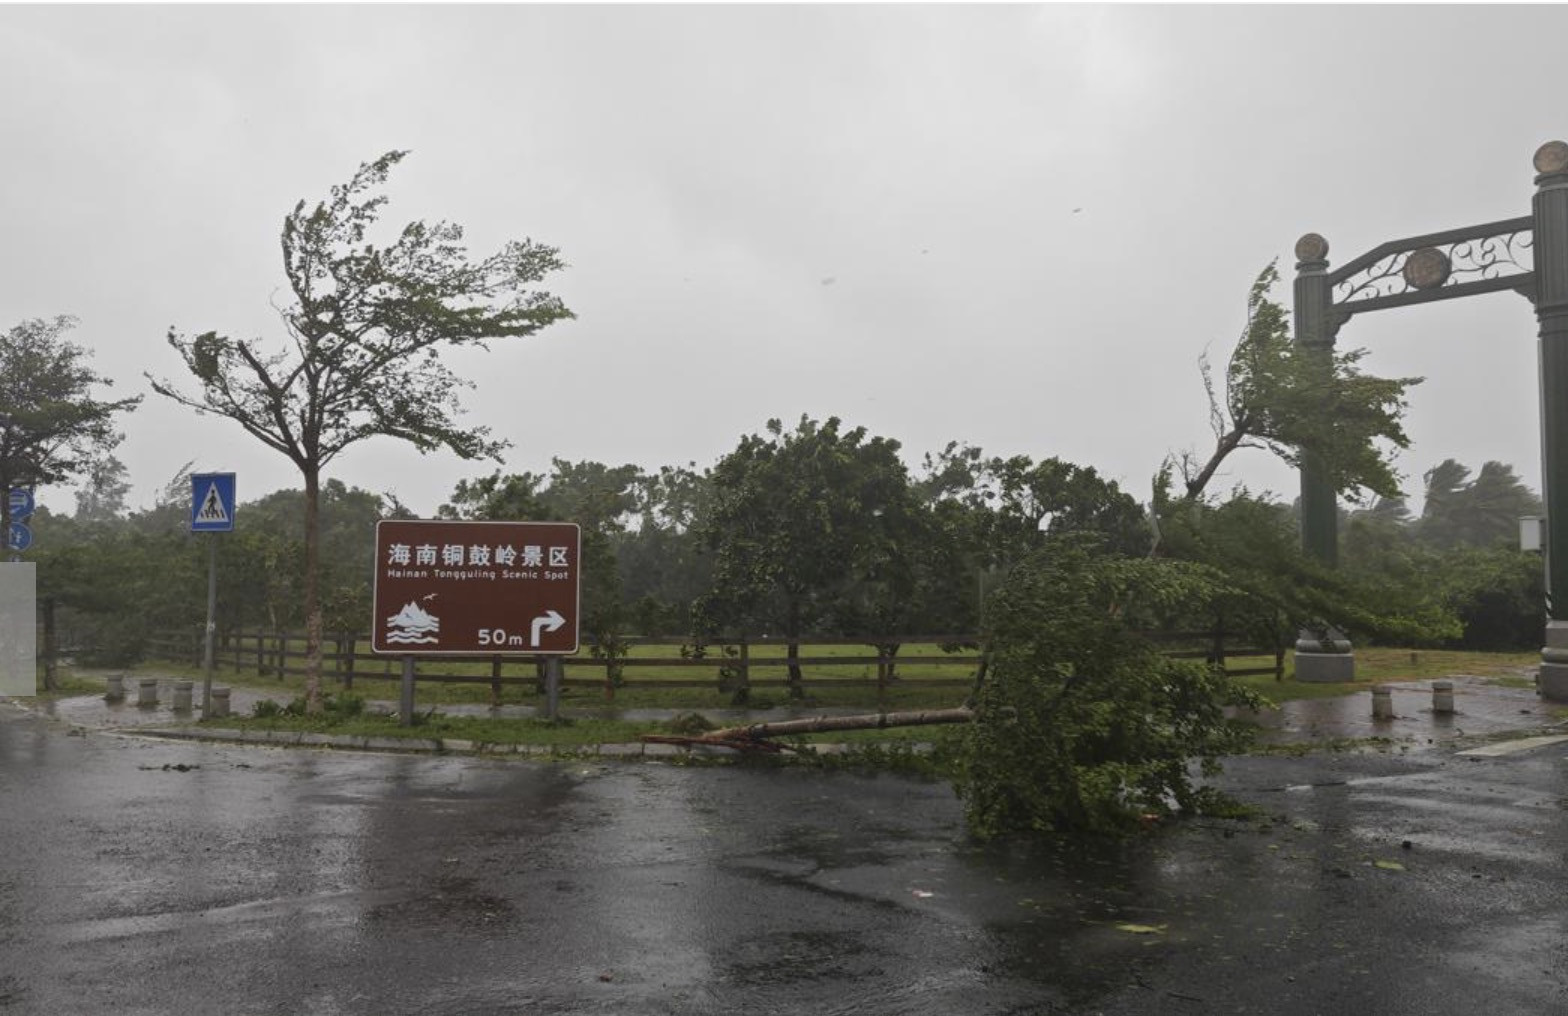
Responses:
[439,746]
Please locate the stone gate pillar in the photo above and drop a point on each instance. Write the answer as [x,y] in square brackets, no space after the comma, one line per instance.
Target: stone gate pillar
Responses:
[1322,654]
[1550,212]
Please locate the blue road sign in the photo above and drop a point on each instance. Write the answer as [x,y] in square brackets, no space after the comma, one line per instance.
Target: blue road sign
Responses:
[21,537]
[212,502]
[21,503]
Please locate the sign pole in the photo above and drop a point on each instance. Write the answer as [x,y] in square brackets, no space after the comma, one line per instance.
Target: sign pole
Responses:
[406,705]
[212,512]
[212,624]
[552,687]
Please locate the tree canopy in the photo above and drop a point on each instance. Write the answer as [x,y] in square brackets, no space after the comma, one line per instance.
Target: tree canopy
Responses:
[365,333]
[1294,401]
[51,426]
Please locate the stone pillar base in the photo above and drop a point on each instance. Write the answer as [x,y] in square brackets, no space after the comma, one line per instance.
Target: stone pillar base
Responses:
[1325,668]
[1323,656]
[1552,682]
[1552,679]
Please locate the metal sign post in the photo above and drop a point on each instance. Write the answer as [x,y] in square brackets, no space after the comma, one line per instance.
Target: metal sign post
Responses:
[405,711]
[212,512]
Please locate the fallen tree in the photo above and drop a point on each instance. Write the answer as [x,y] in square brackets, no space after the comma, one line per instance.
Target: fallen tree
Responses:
[758,736]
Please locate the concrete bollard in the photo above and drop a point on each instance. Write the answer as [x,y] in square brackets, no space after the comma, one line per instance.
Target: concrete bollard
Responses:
[219,706]
[147,691]
[1382,702]
[1442,697]
[182,696]
[114,688]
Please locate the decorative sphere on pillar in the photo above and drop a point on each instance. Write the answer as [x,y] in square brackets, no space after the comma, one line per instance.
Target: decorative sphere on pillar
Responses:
[1552,157]
[1427,268]
[1311,247]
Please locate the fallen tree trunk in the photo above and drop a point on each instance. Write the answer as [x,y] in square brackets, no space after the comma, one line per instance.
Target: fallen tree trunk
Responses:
[861,721]
[756,735]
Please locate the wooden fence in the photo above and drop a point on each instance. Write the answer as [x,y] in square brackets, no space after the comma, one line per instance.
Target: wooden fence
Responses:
[735,664]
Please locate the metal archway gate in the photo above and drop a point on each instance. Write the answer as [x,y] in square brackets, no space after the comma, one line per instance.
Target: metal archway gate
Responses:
[1528,255]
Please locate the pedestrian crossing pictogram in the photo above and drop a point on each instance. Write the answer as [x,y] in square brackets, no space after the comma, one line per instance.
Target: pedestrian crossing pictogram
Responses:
[212,508]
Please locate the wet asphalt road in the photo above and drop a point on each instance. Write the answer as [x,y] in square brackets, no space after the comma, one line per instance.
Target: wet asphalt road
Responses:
[273,881]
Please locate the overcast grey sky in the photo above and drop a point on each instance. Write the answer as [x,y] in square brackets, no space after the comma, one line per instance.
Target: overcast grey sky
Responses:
[1014,226]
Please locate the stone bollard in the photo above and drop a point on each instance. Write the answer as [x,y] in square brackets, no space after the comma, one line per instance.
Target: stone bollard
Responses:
[1442,697]
[182,696]
[114,688]
[219,706]
[1382,702]
[147,693]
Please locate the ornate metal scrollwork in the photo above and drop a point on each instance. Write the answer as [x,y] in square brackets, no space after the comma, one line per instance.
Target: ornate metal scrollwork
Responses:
[1504,251]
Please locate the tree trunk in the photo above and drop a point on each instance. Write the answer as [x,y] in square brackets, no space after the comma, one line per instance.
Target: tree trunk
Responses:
[51,677]
[819,724]
[1226,444]
[312,591]
[795,679]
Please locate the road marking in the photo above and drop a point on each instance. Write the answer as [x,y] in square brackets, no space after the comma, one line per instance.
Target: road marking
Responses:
[1509,747]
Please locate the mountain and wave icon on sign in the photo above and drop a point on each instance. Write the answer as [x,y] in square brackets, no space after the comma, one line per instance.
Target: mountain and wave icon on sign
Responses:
[413,625]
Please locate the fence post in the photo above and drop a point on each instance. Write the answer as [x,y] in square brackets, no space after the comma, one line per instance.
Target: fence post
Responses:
[495,682]
[348,664]
[261,657]
[745,669]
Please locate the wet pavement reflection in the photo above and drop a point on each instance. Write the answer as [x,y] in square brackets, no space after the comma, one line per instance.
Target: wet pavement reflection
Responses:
[141,876]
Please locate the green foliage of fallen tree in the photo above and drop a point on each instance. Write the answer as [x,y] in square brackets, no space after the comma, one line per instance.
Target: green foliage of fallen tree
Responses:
[1081,724]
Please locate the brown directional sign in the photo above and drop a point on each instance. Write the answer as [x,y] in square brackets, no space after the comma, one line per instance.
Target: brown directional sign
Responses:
[484,588]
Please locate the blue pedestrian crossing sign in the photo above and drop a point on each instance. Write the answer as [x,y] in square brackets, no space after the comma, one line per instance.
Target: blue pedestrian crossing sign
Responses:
[212,502]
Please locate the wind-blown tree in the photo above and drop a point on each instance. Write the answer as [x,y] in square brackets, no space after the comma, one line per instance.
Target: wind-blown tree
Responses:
[101,496]
[1482,512]
[51,426]
[664,566]
[596,497]
[1289,401]
[1055,497]
[798,523]
[366,330]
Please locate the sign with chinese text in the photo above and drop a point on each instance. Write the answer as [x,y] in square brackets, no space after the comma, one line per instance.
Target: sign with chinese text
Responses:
[482,588]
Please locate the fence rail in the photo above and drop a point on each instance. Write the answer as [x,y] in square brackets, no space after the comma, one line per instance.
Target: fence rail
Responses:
[731,663]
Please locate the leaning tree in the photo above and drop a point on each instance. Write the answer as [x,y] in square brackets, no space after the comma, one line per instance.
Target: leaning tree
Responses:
[366,330]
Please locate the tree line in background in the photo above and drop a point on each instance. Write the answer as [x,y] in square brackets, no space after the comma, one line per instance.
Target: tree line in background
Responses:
[815,531]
